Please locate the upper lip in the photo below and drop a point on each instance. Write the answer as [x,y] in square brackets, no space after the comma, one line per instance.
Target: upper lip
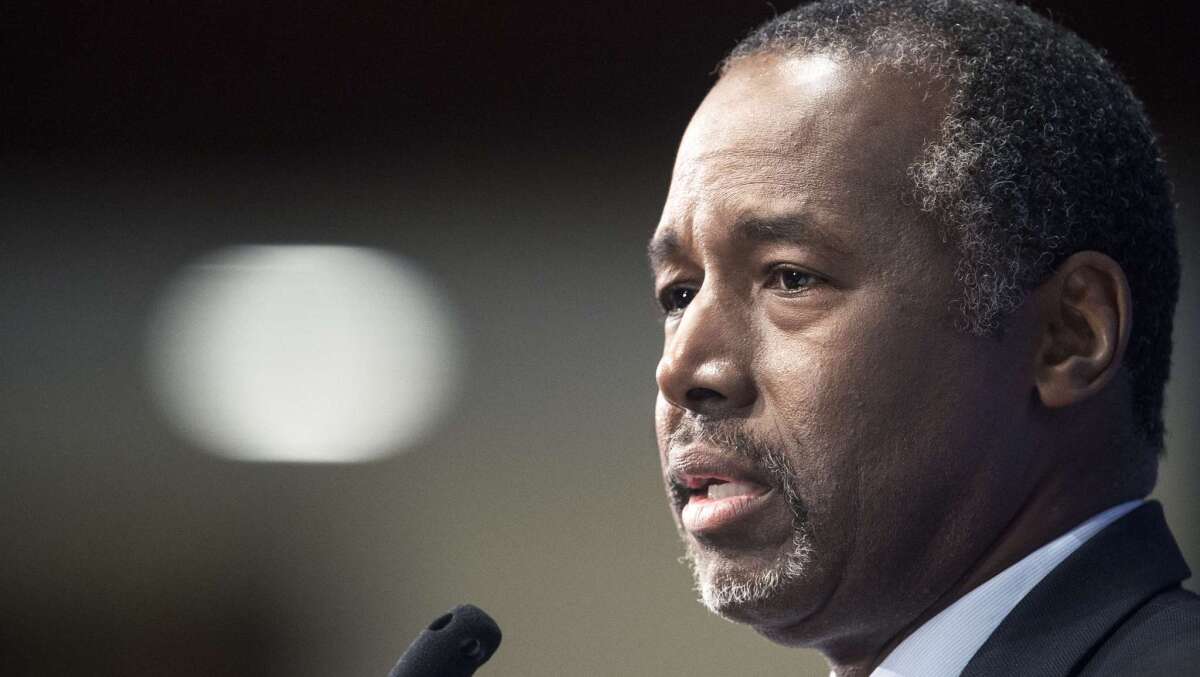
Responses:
[697,465]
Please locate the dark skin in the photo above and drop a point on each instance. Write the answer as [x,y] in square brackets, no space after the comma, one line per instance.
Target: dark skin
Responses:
[811,302]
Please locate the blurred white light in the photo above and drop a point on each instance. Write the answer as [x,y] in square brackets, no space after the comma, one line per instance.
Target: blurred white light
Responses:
[303,353]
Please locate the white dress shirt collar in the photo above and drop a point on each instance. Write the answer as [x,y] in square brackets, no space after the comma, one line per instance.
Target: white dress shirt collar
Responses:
[944,645]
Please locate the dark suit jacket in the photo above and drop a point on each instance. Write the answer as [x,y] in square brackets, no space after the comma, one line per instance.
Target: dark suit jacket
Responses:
[1114,607]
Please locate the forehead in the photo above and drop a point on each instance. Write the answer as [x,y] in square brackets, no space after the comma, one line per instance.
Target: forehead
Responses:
[808,137]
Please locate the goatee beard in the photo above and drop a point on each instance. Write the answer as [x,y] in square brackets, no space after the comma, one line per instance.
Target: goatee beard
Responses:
[727,591]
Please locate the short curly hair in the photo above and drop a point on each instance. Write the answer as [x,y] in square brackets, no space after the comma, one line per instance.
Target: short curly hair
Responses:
[1044,152]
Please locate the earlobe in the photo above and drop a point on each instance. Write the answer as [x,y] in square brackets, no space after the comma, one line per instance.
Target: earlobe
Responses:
[1085,315]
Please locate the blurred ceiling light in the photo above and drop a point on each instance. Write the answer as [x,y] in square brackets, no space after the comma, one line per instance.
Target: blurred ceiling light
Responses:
[303,353]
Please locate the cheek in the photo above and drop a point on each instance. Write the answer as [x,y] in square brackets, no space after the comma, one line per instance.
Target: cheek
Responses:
[812,405]
[864,411]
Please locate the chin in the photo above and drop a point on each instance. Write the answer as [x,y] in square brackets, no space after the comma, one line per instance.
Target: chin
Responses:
[756,590]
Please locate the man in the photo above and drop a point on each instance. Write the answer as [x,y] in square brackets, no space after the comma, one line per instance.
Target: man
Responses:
[918,270]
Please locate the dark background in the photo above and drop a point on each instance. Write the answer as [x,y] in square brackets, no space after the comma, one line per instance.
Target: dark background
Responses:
[159,79]
[520,151]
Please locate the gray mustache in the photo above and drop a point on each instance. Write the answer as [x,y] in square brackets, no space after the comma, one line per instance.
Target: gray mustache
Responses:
[726,434]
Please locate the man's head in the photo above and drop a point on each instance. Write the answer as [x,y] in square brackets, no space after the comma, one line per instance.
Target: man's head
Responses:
[899,261]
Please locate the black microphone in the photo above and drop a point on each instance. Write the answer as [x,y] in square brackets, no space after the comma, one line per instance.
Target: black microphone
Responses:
[454,645]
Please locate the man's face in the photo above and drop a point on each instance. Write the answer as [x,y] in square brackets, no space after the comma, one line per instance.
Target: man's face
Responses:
[836,451]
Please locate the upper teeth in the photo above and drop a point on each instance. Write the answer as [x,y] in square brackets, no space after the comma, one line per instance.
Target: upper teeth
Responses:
[730,489]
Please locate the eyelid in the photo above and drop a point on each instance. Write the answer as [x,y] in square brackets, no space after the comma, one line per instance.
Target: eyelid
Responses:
[776,268]
[663,287]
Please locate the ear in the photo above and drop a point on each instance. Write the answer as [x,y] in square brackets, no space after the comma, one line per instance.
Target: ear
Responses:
[1085,315]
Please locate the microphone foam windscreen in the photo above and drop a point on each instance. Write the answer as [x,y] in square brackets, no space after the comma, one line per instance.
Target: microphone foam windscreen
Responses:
[454,645]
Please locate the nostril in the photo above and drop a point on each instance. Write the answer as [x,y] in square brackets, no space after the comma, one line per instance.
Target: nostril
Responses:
[703,394]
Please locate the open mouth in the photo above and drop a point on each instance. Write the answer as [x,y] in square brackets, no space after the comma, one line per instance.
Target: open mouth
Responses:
[717,488]
[717,492]
[713,503]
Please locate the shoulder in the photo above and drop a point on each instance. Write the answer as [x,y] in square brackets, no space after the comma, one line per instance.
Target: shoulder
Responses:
[1113,607]
[1161,637]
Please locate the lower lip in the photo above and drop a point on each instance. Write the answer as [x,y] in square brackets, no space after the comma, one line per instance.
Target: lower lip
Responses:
[703,514]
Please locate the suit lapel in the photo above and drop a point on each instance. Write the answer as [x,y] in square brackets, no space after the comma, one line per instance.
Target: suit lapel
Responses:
[1069,612]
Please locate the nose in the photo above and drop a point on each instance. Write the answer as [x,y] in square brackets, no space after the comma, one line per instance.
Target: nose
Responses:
[705,363]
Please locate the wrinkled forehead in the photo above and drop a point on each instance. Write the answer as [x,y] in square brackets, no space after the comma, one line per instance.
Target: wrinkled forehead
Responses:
[802,132]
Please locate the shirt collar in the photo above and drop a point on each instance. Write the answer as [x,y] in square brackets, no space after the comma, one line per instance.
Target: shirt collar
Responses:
[944,644]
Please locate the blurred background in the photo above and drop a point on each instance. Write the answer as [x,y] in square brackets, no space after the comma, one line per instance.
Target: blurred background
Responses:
[497,168]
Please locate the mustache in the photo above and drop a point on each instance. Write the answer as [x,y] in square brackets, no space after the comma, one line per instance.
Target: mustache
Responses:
[729,435]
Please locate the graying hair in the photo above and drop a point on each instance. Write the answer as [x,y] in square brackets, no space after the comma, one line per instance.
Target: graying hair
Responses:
[1044,152]
[719,594]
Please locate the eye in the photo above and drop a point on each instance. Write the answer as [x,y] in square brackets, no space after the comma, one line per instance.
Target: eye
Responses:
[674,299]
[791,279]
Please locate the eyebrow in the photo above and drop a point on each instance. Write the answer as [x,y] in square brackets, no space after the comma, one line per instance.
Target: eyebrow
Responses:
[785,228]
[663,247]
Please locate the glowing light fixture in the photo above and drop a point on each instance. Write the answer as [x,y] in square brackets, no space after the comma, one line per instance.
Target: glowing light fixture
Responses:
[303,353]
